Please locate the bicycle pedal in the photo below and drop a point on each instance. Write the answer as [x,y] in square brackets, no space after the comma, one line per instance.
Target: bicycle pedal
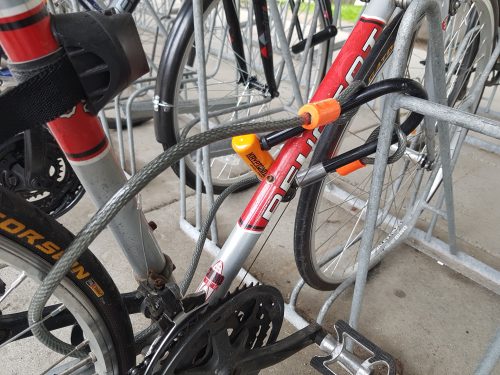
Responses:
[346,359]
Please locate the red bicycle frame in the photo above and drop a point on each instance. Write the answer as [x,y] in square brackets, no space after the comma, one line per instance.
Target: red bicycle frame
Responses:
[292,156]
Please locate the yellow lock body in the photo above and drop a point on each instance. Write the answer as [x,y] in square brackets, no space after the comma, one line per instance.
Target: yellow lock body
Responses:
[248,148]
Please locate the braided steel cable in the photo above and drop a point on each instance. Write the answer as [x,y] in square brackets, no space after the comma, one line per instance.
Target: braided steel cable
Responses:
[118,201]
[186,282]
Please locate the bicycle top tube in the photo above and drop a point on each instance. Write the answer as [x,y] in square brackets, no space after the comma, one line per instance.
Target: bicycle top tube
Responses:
[280,177]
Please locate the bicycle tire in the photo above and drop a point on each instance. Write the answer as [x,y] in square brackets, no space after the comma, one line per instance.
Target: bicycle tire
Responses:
[92,297]
[312,268]
[178,54]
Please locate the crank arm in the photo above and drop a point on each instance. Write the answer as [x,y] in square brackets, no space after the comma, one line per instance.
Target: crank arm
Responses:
[270,355]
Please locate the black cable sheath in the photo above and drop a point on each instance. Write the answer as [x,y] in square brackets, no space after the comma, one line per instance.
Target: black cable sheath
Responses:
[403,85]
[363,96]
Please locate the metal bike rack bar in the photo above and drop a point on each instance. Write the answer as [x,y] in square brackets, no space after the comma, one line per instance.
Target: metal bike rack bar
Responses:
[203,162]
[491,357]
[447,253]
[416,9]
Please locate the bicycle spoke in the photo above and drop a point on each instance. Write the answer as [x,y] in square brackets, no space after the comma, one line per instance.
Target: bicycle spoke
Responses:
[51,315]
[347,243]
[76,366]
[13,286]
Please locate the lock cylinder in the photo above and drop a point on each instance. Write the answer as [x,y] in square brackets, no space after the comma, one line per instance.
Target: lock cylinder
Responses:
[249,149]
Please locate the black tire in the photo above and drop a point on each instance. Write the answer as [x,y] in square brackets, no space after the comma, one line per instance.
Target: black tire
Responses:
[178,53]
[308,206]
[90,279]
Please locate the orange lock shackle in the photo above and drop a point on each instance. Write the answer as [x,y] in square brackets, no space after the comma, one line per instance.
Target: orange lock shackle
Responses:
[321,113]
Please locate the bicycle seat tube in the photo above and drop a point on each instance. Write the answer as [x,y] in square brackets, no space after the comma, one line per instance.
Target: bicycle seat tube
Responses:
[26,36]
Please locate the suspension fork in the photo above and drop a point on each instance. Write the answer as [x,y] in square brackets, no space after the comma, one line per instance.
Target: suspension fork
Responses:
[265,46]
[264,36]
[326,12]
[26,37]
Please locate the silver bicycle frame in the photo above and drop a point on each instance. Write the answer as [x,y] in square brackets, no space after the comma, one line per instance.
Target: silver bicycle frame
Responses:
[101,179]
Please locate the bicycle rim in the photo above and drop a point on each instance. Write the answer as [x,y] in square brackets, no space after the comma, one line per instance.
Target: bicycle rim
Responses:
[14,260]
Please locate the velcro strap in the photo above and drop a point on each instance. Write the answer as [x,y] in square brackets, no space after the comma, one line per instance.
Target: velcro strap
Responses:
[53,91]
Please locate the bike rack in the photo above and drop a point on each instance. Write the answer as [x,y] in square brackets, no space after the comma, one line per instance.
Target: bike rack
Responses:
[485,110]
[424,241]
[446,253]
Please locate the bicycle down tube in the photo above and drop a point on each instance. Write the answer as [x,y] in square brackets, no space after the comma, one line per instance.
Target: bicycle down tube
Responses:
[280,177]
[23,24]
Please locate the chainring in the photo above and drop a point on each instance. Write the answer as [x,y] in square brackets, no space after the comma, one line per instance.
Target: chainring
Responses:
[215,339]
[57,191]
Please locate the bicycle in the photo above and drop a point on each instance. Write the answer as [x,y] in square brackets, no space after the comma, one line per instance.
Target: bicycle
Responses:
[112,344]
[345,195]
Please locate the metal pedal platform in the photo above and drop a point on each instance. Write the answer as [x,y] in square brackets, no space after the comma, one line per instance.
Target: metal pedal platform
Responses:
[349,361]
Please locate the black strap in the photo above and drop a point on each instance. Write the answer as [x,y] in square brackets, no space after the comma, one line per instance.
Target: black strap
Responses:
[55,90]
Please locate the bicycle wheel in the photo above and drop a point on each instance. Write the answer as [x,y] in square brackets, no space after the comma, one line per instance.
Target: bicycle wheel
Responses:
[88,303]
[330,214]
[230,98]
